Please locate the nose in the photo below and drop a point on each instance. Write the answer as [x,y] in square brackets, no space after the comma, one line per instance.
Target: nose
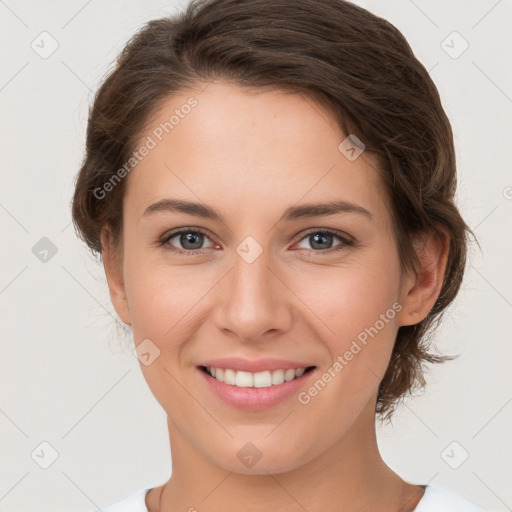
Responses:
[253,300]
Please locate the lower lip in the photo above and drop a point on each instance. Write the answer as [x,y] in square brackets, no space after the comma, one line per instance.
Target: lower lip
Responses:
[255,398]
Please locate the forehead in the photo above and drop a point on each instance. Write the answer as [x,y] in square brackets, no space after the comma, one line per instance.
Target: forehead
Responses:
[248,150]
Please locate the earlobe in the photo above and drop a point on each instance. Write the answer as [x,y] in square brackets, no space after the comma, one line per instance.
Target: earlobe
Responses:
[114,274]
[420,291]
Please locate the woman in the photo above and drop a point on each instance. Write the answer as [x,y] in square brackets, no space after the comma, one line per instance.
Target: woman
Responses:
[271,189]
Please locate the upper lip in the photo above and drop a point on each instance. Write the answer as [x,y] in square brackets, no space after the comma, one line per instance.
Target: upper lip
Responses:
[254,365]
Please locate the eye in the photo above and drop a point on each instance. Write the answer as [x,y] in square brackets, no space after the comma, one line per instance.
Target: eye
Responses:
[190,240]
[322,241]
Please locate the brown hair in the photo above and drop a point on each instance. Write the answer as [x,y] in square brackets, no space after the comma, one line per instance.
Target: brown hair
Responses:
[356,64]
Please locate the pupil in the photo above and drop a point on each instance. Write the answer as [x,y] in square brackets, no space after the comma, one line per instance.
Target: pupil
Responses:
[189,238]
[196,240]
[316,237]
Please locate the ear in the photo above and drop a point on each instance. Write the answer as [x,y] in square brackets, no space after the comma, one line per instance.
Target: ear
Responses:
[112,263]
[419,292]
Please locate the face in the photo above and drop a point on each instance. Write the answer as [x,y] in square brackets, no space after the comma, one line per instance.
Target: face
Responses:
[255,274]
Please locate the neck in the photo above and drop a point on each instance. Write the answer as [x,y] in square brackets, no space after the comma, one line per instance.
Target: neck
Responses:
[349,475]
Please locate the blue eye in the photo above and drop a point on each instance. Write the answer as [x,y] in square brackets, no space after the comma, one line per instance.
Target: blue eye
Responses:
[191,241]
[319,239]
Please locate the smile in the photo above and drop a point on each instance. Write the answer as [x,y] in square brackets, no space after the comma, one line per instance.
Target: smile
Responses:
[263,379]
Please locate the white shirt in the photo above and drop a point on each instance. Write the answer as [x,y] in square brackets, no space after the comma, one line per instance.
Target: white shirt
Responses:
[435,499]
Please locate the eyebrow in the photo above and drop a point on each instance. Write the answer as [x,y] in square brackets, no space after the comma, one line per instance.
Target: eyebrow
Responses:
[291,213]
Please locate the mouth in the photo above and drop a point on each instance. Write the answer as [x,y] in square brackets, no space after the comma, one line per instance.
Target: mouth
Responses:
[264,379]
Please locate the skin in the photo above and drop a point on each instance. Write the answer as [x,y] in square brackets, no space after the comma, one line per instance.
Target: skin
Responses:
[251,155]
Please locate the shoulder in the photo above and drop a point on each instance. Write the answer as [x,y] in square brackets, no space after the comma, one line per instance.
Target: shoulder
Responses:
[437,499]
[136,502]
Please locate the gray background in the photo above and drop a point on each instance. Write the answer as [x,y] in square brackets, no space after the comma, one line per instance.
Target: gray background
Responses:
[67,378]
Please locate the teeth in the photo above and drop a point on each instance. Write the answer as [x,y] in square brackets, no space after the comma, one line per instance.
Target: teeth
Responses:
[257,380]
[277,377]
[229,377]
[262,379]
[244,380]
[289,375]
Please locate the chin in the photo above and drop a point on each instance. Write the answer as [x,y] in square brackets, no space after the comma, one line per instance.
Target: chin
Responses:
[260,458]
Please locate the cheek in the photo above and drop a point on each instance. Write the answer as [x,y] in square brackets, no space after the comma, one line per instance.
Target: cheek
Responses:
[161,302]
[348,299]
[357,306]
[160,299]
[168,302]
[345,299]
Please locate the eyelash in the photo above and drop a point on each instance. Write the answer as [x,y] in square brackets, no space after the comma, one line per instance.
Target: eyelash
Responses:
[343,238]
